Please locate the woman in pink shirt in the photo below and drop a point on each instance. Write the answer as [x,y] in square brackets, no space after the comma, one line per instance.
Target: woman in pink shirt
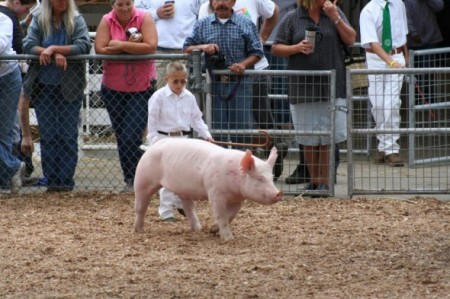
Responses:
[127,85]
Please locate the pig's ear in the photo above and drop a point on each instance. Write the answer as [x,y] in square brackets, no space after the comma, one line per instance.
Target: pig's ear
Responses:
[247,162]
[272,157]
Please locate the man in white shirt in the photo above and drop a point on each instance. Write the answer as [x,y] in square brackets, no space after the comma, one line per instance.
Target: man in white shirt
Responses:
[174,21]
[384,90]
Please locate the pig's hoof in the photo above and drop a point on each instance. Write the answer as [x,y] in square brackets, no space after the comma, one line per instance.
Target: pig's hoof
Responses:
[227,237]
[214,229]
[196,228]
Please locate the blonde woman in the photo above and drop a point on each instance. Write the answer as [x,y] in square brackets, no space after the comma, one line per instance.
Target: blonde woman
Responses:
[56,32]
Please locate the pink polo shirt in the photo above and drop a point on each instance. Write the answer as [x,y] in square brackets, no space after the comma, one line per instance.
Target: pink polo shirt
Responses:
[129,76]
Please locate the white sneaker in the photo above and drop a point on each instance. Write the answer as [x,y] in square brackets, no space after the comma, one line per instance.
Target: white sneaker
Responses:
[144,147]
[16,180]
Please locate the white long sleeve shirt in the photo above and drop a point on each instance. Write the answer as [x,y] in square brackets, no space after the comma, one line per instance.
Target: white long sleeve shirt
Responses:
[6,35]
[169,112]
[172,32]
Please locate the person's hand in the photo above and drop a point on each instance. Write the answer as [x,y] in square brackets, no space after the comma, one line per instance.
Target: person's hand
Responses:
[46,56]
[330,9]
[136,38]
[61,61]
[237,68]
[27,145]
[304,47]
[166,11]
[210,48]
[115,45]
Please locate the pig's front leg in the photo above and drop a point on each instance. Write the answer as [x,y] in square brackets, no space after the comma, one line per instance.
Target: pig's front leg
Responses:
[233,210]
[189,209]
[224,213]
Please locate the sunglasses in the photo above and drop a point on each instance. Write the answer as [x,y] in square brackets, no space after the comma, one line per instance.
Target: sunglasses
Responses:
[179,81]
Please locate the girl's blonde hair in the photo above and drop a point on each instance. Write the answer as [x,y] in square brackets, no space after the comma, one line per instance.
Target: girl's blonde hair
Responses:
[45,17]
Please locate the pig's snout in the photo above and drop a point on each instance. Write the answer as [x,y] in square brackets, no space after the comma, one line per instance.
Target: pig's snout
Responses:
[273,198]
[278,196]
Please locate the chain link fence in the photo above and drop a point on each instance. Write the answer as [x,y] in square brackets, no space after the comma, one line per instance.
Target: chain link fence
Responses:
[264,106]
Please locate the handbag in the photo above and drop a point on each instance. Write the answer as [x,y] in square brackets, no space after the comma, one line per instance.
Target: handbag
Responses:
[356,62]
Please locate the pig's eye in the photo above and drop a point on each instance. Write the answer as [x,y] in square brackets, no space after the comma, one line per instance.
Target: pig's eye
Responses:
[261,179]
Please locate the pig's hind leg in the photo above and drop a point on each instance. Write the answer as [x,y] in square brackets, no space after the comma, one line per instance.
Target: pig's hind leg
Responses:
[189,209]
[143,195]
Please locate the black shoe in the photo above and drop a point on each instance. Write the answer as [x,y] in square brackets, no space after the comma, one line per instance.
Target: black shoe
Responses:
[278,167]
[299,176]
[181,211]
[309,187]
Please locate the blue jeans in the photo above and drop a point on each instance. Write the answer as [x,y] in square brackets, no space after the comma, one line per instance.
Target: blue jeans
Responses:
[234,113]
[58,129]
[10,86]
[128,112]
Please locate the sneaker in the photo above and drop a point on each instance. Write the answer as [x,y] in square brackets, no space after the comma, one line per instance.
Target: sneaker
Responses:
[181,211]
[16,180]
[169,219]
[29,181]
[35,181]
[144,147]
[324,188]
[394,160]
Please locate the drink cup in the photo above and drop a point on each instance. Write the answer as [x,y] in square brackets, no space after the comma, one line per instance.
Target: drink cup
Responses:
[310,36]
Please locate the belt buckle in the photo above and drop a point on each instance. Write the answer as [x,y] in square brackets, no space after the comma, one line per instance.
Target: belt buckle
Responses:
[224,79]
[176,133]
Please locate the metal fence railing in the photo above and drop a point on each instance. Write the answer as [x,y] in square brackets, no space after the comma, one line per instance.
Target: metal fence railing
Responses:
[424,142]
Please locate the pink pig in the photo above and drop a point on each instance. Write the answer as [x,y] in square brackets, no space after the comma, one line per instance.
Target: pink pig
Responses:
[199,170]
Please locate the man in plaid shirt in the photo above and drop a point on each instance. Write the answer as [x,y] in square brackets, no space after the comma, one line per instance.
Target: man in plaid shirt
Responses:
[230,41]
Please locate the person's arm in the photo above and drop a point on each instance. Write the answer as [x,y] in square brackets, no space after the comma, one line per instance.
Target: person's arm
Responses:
[102,39]
[27,145]
[207,48]
[346,33]
[435,5]
[282,50]
[378,49]
[104,44]
[247,63]
[268,25]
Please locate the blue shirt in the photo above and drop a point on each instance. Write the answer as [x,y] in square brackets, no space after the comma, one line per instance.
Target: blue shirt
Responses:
[237,38]
[51,74]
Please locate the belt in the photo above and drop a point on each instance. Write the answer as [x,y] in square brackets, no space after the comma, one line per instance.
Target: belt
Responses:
[226,78]
[175,133]
[393,51]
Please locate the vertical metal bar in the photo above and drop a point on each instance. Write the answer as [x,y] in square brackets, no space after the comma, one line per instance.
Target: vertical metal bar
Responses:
[350,174]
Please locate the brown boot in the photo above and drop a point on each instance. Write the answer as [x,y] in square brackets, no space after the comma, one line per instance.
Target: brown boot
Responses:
[394,160]
[380,159]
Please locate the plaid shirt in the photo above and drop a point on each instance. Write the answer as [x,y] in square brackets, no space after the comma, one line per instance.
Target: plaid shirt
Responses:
[237,38]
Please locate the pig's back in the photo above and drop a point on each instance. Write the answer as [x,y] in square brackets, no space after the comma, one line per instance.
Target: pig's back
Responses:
[189,165]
